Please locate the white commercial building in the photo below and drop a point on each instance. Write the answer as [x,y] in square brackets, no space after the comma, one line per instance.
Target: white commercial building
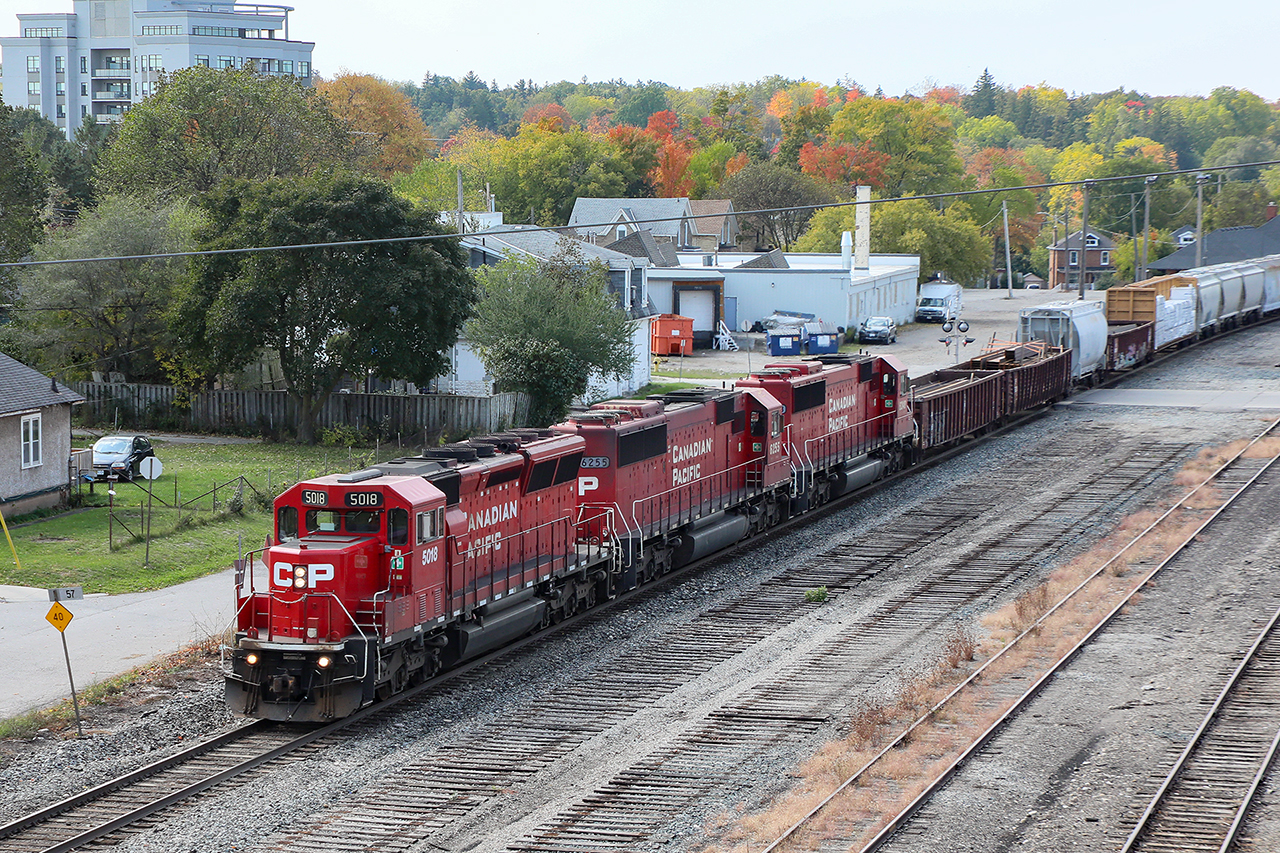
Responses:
[738,289]
[108,54]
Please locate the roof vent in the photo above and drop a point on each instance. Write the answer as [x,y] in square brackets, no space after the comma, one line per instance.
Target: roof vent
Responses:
[359,476]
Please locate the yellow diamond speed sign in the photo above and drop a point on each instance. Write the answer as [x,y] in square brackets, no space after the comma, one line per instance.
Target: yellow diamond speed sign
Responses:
[59,616]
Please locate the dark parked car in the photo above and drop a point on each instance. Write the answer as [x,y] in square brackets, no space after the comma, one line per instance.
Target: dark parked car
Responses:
[120,455]
[879,330]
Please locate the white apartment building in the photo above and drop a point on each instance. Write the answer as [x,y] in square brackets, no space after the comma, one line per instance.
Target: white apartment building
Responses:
[108,54]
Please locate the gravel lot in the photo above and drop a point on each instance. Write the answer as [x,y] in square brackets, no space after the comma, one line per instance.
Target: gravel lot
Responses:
[1047,802]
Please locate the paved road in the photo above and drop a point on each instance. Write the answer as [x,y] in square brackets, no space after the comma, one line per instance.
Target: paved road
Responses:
[108,635]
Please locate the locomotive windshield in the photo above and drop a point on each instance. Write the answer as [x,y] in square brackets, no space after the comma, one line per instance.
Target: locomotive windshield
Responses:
[340,521]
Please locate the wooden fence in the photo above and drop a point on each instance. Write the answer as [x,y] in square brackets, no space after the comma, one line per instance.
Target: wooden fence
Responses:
[151,407]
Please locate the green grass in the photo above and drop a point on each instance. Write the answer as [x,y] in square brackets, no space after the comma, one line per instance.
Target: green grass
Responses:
[73,548]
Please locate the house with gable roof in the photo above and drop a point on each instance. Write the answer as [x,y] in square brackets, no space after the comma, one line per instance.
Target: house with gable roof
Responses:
[1223,246]
[35,438]
[1065,259]
[607,220]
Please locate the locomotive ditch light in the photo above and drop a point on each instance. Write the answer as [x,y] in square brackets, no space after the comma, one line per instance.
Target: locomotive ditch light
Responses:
[299,576]
[324,661]
[251,659]
[962,326]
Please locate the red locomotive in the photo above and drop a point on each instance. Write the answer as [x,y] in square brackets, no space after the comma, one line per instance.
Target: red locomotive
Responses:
[381,577]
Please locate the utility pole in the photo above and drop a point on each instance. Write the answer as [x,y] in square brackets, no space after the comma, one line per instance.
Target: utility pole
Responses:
[1146,224]
[1200,182]
[1008,264]
[1084,239]
[462,229]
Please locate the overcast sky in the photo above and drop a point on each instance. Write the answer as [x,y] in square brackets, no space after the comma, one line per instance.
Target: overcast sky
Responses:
[1168,48]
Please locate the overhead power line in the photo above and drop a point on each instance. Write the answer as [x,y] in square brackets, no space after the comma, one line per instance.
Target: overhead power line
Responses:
[498,232]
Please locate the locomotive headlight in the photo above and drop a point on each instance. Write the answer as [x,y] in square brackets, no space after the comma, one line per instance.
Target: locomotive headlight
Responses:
[251,659]
[324,661]
[299,576]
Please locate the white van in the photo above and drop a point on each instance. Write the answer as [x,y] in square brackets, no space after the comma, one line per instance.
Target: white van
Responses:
[939,301]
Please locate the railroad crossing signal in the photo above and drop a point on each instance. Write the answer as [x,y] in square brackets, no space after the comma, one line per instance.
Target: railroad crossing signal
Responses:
[59,616]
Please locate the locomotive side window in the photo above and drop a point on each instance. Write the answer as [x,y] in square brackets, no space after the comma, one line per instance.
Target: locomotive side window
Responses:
[775,425]
[287,523]
[398,527]
[430,525]
[542,475]
[362,521]
[757,423]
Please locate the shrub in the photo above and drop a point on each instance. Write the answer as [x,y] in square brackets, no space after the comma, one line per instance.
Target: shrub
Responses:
[817,595]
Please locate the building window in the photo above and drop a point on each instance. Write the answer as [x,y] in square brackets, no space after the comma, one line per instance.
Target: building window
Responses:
[84,110]
[304,69]
[60,89]
[60,65]
[84,90]
[1092,241]
[84,65]
[1073,258]
[151,62]
[226,62]
[42,32]
[202,60]
[286,66]
[224,32]
[174,30]
[62,110]
[33,88]
[1106,258]
[31,455]
[33,65]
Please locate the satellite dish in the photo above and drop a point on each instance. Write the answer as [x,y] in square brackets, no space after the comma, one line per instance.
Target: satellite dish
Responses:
[151,468]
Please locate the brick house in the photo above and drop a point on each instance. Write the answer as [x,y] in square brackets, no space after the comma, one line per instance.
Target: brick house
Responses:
[1064,260]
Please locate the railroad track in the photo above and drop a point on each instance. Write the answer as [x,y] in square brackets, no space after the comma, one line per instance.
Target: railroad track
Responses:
[1005,699]
[429,798]
[131,800]
[432,799]
[1202,803]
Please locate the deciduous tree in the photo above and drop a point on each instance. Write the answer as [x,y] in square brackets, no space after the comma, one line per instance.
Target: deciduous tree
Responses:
[388,132]
[204,126]
[918,137]
[791,196]
[108,315]
[22,196]
[545,326]
[390,308]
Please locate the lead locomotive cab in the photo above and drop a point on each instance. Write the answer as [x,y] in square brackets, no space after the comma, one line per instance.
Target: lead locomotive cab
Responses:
[358,569]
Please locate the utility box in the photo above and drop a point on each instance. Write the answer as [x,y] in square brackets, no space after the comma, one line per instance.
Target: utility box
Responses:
[672,335]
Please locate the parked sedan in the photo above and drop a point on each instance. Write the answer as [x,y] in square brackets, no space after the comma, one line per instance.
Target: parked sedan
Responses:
[120,456]
[878,330]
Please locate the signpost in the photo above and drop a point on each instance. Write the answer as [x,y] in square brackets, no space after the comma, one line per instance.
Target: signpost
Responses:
[60,617]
